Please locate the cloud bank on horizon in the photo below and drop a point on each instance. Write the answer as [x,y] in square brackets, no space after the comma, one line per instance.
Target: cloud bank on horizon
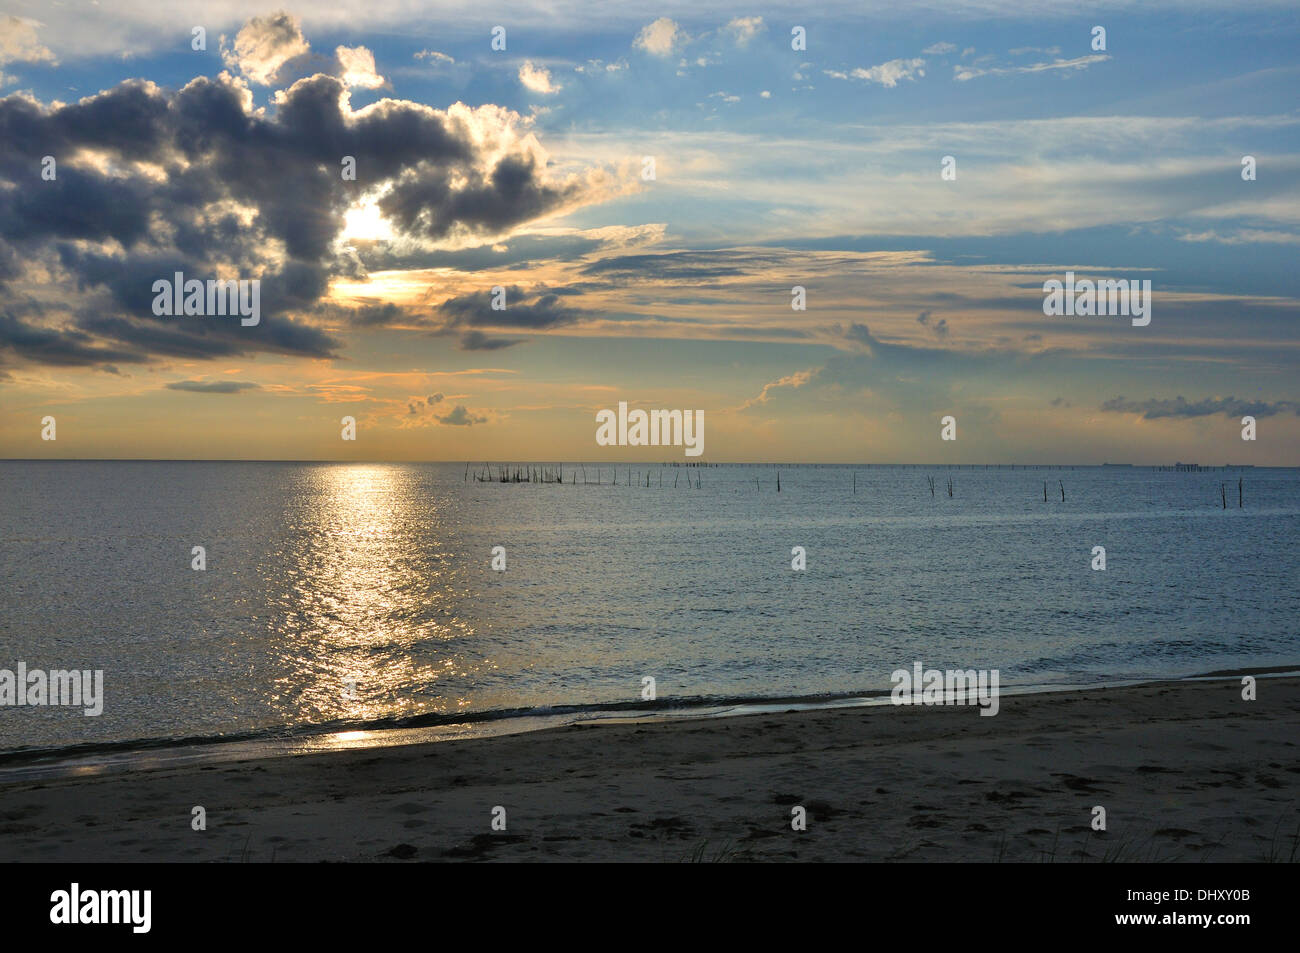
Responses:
[828,230]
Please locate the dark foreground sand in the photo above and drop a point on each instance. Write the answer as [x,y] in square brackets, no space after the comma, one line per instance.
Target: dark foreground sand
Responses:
[1185,771]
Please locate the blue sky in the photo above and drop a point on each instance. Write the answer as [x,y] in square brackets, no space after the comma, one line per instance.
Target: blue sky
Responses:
[774,167]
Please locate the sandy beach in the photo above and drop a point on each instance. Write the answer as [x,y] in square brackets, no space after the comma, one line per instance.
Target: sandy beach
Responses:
[1186,771]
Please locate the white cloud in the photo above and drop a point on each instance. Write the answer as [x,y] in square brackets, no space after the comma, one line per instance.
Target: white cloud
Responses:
[82,30]
[766,94]
[963,73]
[744,29]
[596,66]
[938,49]
[433,56]
[537,78]
[357,67]
[660,38]
[886,74]
[264,44]
[18,42]
[1243,236]
[1039,175]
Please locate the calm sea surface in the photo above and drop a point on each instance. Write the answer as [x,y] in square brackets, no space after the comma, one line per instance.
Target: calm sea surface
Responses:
[318,574]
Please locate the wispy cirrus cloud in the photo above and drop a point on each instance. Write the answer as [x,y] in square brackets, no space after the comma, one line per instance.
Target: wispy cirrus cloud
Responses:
[213,387]
[963,73]
[1155,409]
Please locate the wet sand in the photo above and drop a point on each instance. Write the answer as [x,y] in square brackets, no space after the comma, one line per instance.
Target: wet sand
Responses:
[1186,771]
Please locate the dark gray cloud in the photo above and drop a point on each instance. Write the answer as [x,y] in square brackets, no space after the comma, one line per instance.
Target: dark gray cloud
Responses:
[861,334]
[478,341]
[194,181]
[433,204]
[65,347]
[460,417]
[537,310]
[1155,409]
[213,387]
[545,310]
[677,266]
[938,328]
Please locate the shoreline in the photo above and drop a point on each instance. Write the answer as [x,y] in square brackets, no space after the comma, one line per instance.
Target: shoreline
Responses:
[37,763]
[1185,769]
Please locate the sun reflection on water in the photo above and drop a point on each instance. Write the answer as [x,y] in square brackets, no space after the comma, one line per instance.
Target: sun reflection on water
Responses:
[363,569]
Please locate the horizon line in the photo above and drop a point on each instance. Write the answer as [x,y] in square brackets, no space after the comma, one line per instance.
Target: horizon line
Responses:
[671,463]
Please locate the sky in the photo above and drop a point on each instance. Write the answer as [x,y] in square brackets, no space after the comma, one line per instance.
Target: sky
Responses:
[646,185]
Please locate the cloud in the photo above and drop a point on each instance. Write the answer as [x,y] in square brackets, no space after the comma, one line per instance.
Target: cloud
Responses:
[939,49]
[1207,407]
[939,329]
[672,266]
[59,347]
[478,341]
[470,314]
[1243,236]
[460,417]
[357,67]
[213,387]
[264,45]
[597,66]
[660,38]
[433,399]
[537,78]
[885,74]
[963,73]
[433,56]
[19,44]
[196,180]
[791,381]
[743,29]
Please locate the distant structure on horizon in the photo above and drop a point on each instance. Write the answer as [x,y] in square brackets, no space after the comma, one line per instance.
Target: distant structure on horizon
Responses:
[1187,467]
